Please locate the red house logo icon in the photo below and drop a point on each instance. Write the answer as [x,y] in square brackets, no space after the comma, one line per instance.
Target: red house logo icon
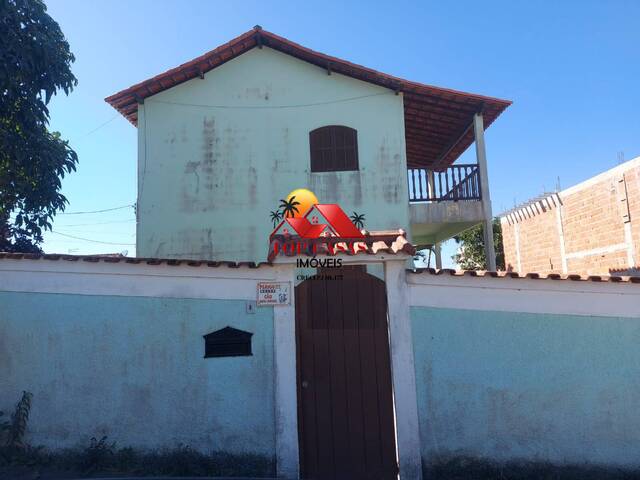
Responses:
[324,225]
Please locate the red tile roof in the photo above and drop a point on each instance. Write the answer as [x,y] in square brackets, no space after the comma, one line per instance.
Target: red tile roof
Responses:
[534,276]
[391,242]
[379,242]
[131,260]
[437,120]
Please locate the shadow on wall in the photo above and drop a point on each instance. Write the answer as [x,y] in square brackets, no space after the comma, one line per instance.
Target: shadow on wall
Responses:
[20,460]
[103,459]
[464,467]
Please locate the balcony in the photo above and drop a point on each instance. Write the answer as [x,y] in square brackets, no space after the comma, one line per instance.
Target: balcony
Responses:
[458,182]
[443,203]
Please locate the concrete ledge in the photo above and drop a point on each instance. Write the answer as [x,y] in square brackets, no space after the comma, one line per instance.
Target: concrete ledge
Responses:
[438,221]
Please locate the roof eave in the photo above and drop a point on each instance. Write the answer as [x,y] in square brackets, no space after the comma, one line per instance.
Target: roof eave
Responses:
[424,99]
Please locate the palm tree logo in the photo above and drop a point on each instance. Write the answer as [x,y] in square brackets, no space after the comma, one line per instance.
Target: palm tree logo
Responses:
[358,220]
[275,217]
[289,207]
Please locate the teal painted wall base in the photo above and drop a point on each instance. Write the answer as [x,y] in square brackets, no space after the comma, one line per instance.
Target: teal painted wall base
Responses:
[501,385]
[132,368]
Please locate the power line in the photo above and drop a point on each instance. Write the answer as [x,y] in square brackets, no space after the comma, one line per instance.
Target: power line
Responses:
[262,107]
[98,211]
[96,223]
[91,240]
[84,231]
[98,127]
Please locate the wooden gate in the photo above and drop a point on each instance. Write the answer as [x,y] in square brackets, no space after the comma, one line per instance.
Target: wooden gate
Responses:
[345,400]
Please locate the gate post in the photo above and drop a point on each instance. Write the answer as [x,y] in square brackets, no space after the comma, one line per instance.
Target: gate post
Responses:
[286,395]
[403,370]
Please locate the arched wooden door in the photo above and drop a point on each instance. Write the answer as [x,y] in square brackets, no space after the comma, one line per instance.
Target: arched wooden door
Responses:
[345,399]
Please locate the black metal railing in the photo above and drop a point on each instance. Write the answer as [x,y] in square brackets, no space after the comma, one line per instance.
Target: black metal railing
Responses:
[457,182]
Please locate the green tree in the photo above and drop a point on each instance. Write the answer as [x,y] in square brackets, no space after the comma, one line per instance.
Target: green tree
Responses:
[471,245]
[35,63]
[289,207]
[424,256]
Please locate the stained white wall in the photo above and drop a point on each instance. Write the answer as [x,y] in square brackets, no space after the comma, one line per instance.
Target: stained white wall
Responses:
[216,155]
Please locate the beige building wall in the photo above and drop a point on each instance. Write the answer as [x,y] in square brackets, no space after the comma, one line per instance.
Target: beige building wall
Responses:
[592,228]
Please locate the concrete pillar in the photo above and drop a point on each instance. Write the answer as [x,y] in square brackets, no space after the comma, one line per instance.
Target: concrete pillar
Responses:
[286,396]
[481,157]
[437,250]
[403,371]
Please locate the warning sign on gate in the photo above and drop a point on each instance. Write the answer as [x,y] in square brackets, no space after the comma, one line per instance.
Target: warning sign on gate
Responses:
[274,293]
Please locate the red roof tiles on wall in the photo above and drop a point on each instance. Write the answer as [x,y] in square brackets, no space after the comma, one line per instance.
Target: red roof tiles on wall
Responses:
[130,260]
[399,245]
[532,276]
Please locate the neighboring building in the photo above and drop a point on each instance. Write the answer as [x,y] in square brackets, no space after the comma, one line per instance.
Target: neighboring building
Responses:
[225,136]
[592,228]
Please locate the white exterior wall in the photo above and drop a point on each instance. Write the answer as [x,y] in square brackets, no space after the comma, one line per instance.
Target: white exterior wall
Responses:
[217,154]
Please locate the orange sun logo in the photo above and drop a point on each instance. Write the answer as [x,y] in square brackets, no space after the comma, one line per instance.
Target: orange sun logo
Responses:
[298,202]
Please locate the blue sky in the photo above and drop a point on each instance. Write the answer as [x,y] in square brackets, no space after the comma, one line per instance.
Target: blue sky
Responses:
[572,69]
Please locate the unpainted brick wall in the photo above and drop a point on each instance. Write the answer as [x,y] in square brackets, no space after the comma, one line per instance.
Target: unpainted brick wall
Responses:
[593,222]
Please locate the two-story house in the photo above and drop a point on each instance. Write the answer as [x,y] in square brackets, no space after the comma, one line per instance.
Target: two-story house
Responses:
[224,137]
[375,372]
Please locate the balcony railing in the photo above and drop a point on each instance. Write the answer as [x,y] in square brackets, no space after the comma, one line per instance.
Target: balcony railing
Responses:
[457,182]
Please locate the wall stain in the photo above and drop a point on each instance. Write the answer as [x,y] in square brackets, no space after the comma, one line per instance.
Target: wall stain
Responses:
[5,357]
[253,186]
[387,169]
[208,142]
[139,401]
[192,168]
[355,184]
[228,167]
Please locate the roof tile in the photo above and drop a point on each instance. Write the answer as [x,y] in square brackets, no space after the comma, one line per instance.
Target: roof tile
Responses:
[534,276]
[436,119]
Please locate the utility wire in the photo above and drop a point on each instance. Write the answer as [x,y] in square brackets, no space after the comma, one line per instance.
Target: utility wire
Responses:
[84,231]
[97,128]
[96,223]
[262,107]
[97,211]
[91,240]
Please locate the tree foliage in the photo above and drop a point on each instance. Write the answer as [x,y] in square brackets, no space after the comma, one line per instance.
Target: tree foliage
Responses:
[471,247]
[35,63]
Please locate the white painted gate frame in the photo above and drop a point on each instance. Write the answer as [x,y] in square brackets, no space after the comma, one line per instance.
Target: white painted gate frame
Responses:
[402,369]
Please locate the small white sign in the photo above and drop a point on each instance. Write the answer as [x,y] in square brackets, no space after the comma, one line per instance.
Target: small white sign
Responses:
[274,293]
